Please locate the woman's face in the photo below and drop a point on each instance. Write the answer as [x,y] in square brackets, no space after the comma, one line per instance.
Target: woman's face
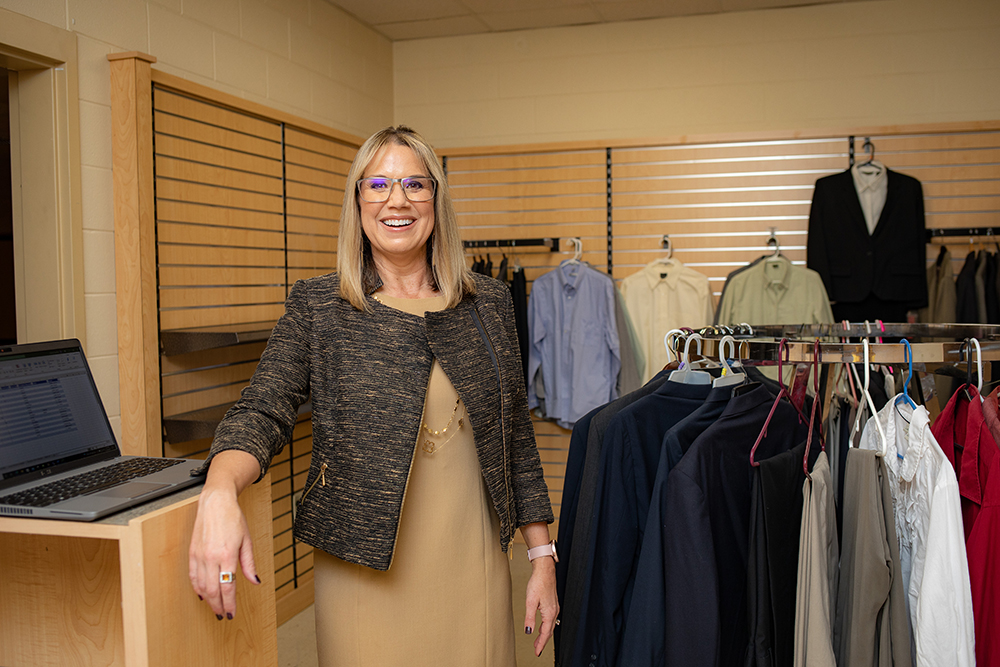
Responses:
[397,228]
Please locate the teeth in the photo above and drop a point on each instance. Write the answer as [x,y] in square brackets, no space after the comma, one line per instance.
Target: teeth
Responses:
[397,223]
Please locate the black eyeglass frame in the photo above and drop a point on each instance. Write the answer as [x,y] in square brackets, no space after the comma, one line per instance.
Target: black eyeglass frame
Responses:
[402,186]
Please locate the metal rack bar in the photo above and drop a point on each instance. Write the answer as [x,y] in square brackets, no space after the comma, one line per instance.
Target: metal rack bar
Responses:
[861,330]
[551,243]
[962,231]
[759,352]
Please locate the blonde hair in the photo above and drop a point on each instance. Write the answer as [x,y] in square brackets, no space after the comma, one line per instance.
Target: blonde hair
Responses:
[445,255]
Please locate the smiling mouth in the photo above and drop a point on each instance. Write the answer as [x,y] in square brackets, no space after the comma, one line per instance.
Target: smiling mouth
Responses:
[398,224]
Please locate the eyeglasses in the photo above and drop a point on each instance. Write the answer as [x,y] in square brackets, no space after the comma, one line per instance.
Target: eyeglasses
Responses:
[378,189]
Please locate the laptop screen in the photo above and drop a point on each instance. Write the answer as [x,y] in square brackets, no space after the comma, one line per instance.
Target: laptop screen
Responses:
[50,411]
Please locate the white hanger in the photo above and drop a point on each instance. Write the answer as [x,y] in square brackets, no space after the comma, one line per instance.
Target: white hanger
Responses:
[730,375]
[668,339]
[669,258]
[684,374]
[979,368]
[871,403]
[577,250]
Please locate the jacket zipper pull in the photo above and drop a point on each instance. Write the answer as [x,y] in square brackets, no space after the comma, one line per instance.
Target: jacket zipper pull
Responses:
[510,550]
[320,478]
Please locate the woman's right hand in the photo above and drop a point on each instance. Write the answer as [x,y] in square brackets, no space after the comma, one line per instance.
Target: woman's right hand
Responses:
[221,539]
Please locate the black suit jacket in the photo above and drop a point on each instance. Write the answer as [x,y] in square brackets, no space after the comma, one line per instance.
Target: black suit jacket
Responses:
[890,263]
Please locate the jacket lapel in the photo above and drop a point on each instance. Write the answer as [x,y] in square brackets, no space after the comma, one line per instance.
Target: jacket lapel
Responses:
[850,195]
[891,198]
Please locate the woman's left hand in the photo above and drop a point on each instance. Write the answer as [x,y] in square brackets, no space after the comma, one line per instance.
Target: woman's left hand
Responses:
[541,597]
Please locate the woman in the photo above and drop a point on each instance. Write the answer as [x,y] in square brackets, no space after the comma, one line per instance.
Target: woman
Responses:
[424,460]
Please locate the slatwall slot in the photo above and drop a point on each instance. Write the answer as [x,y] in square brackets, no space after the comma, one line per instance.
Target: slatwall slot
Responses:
[716,201]
[316,173]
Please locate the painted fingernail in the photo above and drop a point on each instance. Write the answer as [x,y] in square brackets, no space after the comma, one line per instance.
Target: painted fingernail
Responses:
[218,616]
[527,630]
[257,578]
[201,598]
[229,615]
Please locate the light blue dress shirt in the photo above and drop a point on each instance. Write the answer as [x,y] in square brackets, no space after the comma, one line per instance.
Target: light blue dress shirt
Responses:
[574,341]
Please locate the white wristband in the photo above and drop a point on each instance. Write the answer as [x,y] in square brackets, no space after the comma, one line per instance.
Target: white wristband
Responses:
[543,550]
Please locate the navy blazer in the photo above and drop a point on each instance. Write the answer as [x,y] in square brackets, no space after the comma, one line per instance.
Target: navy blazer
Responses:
[890,263]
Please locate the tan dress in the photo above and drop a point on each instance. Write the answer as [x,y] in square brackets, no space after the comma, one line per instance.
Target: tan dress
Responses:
[446,598]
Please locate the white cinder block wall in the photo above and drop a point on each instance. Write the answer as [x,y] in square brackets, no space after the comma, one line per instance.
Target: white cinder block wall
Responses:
[838,65]
[300,56]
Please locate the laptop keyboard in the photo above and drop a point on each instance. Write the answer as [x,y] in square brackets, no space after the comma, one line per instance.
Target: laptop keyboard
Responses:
[89,482]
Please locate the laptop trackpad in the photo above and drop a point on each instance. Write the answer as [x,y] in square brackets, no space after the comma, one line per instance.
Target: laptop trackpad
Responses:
[132,490]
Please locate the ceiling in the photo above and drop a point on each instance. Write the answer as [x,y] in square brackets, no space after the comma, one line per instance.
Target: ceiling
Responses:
[409,19]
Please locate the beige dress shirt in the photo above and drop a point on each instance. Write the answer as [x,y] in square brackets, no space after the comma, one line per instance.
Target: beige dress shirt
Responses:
[775,291]
[872,185]
[664,296]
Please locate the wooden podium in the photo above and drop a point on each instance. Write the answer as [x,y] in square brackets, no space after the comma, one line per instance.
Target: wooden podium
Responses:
[116,591]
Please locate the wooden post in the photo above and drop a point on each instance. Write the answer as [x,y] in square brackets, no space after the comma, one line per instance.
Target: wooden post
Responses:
[135,253]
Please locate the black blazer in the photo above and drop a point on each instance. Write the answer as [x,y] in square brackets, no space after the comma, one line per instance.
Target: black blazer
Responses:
[890,263]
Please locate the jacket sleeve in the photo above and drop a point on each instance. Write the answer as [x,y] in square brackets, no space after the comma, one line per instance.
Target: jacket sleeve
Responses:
[816,246]
[262,420]
[531,495]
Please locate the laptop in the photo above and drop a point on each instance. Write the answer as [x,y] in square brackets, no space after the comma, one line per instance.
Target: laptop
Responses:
[59,458]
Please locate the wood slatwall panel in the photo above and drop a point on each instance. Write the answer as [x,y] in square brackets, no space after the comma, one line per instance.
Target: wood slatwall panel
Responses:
[219,214]
[716,201]
[315,173]
[960,174]
[535,195]
[245,206]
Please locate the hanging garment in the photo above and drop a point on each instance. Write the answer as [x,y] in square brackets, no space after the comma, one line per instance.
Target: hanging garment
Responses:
[664,296]
[732,274]
[633,359]
[706,529]
[774,291]
[941,296]
[967,308]
[629,460]
[502,270]
[888,263]
[574,341]
[991,294]
[981,262]
[519,294]
[642,639]
[928,519]
[817,575]
[967,431]
[872,627]
[576,509]
[775,522]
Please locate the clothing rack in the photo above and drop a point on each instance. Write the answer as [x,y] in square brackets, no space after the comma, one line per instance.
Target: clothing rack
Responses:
[551,243]
[858,330]
[963,231]
[762,352]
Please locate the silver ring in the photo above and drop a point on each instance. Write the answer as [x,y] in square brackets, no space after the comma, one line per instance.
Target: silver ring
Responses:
[226,577]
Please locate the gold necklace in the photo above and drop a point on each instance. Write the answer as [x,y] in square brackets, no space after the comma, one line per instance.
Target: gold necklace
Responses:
[429,446]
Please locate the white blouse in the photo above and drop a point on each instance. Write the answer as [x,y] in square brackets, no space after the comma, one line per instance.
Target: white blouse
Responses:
[927,506]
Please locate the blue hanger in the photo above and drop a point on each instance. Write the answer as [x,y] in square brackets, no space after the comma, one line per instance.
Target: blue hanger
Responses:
[909,374]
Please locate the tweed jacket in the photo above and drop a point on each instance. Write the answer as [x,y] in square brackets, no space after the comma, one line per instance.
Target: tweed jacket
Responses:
[367,375]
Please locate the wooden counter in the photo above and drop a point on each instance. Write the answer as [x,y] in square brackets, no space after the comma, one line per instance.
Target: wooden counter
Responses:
[116,591]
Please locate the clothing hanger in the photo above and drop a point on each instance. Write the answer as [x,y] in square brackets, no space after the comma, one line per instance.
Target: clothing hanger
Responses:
[577,250]
[869,147]
[966,349]
[669,258]
[782,352]
[905,396]
[812,412]
[669,341]
[684,374]
[871,403]
[773,240]
[730,376]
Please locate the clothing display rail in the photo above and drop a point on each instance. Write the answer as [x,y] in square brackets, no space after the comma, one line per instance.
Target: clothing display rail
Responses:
[760,352]
[551,243]
[963,231]
[876,329]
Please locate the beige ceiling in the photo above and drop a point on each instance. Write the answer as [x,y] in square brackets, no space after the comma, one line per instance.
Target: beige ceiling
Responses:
[416,19]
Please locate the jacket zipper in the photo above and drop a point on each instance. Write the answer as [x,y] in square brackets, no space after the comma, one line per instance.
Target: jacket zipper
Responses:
[320,477]
[503,432]
[406,486]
